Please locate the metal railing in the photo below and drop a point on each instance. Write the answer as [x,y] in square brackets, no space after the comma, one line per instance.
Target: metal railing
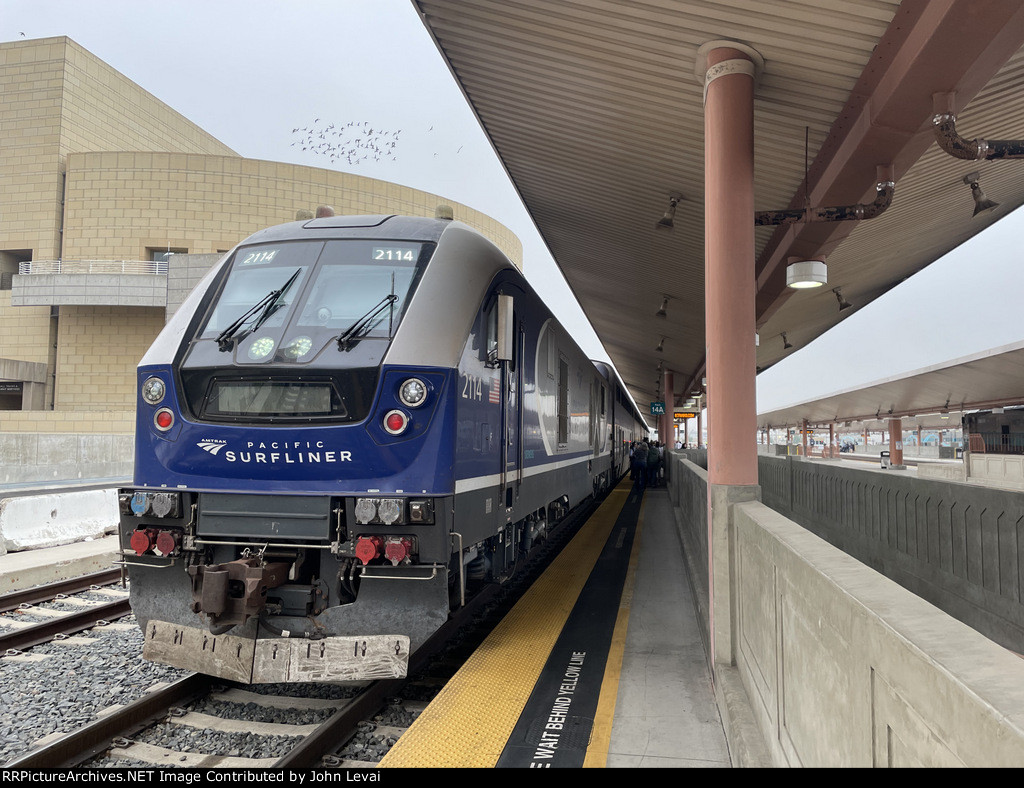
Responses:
[30,267]
[997,443]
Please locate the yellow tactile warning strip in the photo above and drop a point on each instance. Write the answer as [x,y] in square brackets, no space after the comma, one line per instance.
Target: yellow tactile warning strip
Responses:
[600,738]
[469,722]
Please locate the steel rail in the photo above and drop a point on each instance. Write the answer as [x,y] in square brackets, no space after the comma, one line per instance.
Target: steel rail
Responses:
[64,625]
[44,593]
[78,746]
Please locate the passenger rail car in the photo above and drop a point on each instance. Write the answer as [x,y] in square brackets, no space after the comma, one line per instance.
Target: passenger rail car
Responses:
[348,425]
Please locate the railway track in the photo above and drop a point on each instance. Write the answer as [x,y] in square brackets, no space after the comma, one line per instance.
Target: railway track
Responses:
[197,722]
[59,623]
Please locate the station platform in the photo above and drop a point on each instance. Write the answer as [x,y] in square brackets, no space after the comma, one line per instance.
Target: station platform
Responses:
[592,668]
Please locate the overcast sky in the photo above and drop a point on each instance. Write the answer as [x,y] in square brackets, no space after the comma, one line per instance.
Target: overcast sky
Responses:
[251,71]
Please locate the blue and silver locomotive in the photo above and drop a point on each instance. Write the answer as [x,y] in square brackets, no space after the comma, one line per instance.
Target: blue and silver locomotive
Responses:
[349,424]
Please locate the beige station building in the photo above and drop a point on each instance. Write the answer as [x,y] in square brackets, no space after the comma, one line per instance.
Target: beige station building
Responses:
[112,205]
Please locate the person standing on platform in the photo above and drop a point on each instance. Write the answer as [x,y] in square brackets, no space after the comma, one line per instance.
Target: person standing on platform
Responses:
[640,463]
[653,461]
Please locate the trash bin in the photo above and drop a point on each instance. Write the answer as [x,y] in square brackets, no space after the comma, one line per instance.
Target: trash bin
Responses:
[885,459]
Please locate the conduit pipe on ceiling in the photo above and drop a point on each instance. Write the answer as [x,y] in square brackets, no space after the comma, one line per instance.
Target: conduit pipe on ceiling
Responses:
[973,150]
[885,188]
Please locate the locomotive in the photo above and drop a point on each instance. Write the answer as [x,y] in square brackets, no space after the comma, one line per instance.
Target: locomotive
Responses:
[349,424]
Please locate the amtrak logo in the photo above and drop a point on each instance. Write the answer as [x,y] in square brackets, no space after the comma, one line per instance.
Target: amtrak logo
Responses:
[212,446]
[276,452]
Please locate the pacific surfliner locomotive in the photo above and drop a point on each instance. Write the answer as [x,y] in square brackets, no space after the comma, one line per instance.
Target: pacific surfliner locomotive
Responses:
[348,424]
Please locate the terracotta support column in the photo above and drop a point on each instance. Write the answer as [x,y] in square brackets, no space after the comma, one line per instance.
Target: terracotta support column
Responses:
[700,426]
[803,435]
[666,424]
[729,70]
[831,440]
[729,282]
[896,443]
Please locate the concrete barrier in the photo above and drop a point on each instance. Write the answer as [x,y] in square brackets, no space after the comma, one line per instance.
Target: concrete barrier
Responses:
[36,521]
[844,668]
[835,665]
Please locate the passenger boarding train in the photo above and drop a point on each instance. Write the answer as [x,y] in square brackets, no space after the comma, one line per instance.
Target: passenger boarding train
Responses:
[348,425]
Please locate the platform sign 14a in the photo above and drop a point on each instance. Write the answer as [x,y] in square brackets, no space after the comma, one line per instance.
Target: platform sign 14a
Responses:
[657,408]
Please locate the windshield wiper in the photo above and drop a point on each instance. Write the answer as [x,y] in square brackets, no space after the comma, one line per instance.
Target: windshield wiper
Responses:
[363,325]
[268,304]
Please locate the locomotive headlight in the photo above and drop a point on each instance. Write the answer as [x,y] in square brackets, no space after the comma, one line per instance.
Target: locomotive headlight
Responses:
[297,348]
[261,348]
[153,391]
[412,393]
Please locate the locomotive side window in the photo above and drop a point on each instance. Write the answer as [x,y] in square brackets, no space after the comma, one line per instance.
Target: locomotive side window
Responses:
[563,400]
[492,334]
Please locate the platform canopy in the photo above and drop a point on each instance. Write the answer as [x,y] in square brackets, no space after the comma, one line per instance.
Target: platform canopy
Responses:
[934,396]
[595,109]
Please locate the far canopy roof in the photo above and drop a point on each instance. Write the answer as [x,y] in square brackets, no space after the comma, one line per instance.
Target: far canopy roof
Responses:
[994,378]
[595,109]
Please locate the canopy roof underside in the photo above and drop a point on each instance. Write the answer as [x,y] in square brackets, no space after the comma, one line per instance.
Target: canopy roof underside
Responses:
[595,109]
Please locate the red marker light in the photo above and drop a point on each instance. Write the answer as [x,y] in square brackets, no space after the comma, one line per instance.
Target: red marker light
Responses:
[163,419]
[395,422]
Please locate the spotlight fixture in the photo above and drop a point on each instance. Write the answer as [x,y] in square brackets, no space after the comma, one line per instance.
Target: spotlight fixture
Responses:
[667,222]
[661,346]
[802,274]
[663,312]
[843,303]
[981,202]
[785,342]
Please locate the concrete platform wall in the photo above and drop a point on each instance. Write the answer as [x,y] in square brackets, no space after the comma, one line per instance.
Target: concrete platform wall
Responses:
[957,545]
[45,457]
[844,668]
[839,666]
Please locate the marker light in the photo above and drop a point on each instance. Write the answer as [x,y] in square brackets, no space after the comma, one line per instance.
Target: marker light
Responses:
[413,393]
[153,391]
[164,419]
[395,422]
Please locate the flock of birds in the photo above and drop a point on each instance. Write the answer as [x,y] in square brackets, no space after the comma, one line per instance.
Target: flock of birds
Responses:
[353,143]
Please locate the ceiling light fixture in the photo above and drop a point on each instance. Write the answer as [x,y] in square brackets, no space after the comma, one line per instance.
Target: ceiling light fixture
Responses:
[661,346]
[981,202]
[843,303]
[785,342]
[801,274]
[667,222]
[663,312]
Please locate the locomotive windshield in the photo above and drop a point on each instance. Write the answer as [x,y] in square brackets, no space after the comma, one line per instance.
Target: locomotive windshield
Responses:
[287,301]
[295,331]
